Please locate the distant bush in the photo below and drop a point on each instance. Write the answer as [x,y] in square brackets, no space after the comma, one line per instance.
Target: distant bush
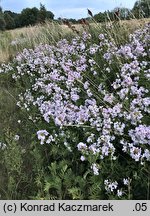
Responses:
[10,23]
[141,9]
[2,23]
[28,16]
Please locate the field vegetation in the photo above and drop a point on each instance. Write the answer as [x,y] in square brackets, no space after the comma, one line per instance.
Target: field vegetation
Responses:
[74,111]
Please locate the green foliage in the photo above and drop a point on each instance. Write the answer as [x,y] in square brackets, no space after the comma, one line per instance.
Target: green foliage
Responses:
[10,23]
[100,17]
[141,9]
[42,13]
[2,23]
[124,14]
[15,17]
[49,15]
[12,167]
[32,16]
[29,16]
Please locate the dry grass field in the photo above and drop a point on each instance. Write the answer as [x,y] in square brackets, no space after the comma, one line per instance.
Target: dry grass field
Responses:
[14,41]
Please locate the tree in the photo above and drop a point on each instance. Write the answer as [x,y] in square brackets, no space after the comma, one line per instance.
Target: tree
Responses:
[49,15]
[100,17]
[2,23]
[42,13]
[15,16]
[141,9]
[123,13]
[10,23]
[18,22]
[29,16]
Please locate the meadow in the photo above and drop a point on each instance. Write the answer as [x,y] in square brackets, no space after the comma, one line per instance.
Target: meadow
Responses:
[74,111]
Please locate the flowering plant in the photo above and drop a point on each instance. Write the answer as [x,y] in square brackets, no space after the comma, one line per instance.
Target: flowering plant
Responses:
[93,101]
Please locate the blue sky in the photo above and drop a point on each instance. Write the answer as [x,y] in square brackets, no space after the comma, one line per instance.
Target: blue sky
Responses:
[65,8]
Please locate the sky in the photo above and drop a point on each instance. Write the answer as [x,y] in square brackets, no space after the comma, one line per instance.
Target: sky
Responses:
[67,8]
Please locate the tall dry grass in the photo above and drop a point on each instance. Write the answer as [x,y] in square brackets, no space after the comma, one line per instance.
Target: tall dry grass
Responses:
[14,41]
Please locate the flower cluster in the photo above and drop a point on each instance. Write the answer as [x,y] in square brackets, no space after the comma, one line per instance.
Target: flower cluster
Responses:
[113,187]
[75,84]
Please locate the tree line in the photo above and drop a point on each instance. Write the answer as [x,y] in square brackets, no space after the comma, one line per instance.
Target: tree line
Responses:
[33,16]
[28,16]
[141,9]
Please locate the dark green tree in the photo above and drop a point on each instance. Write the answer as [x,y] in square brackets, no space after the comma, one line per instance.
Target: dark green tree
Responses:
[17,20]
[141,9]
[100,17]
[1,9]
[10,23]
[49,15]
[2,23]
[42,13]
[29,16]
[9,12]
[15,16]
